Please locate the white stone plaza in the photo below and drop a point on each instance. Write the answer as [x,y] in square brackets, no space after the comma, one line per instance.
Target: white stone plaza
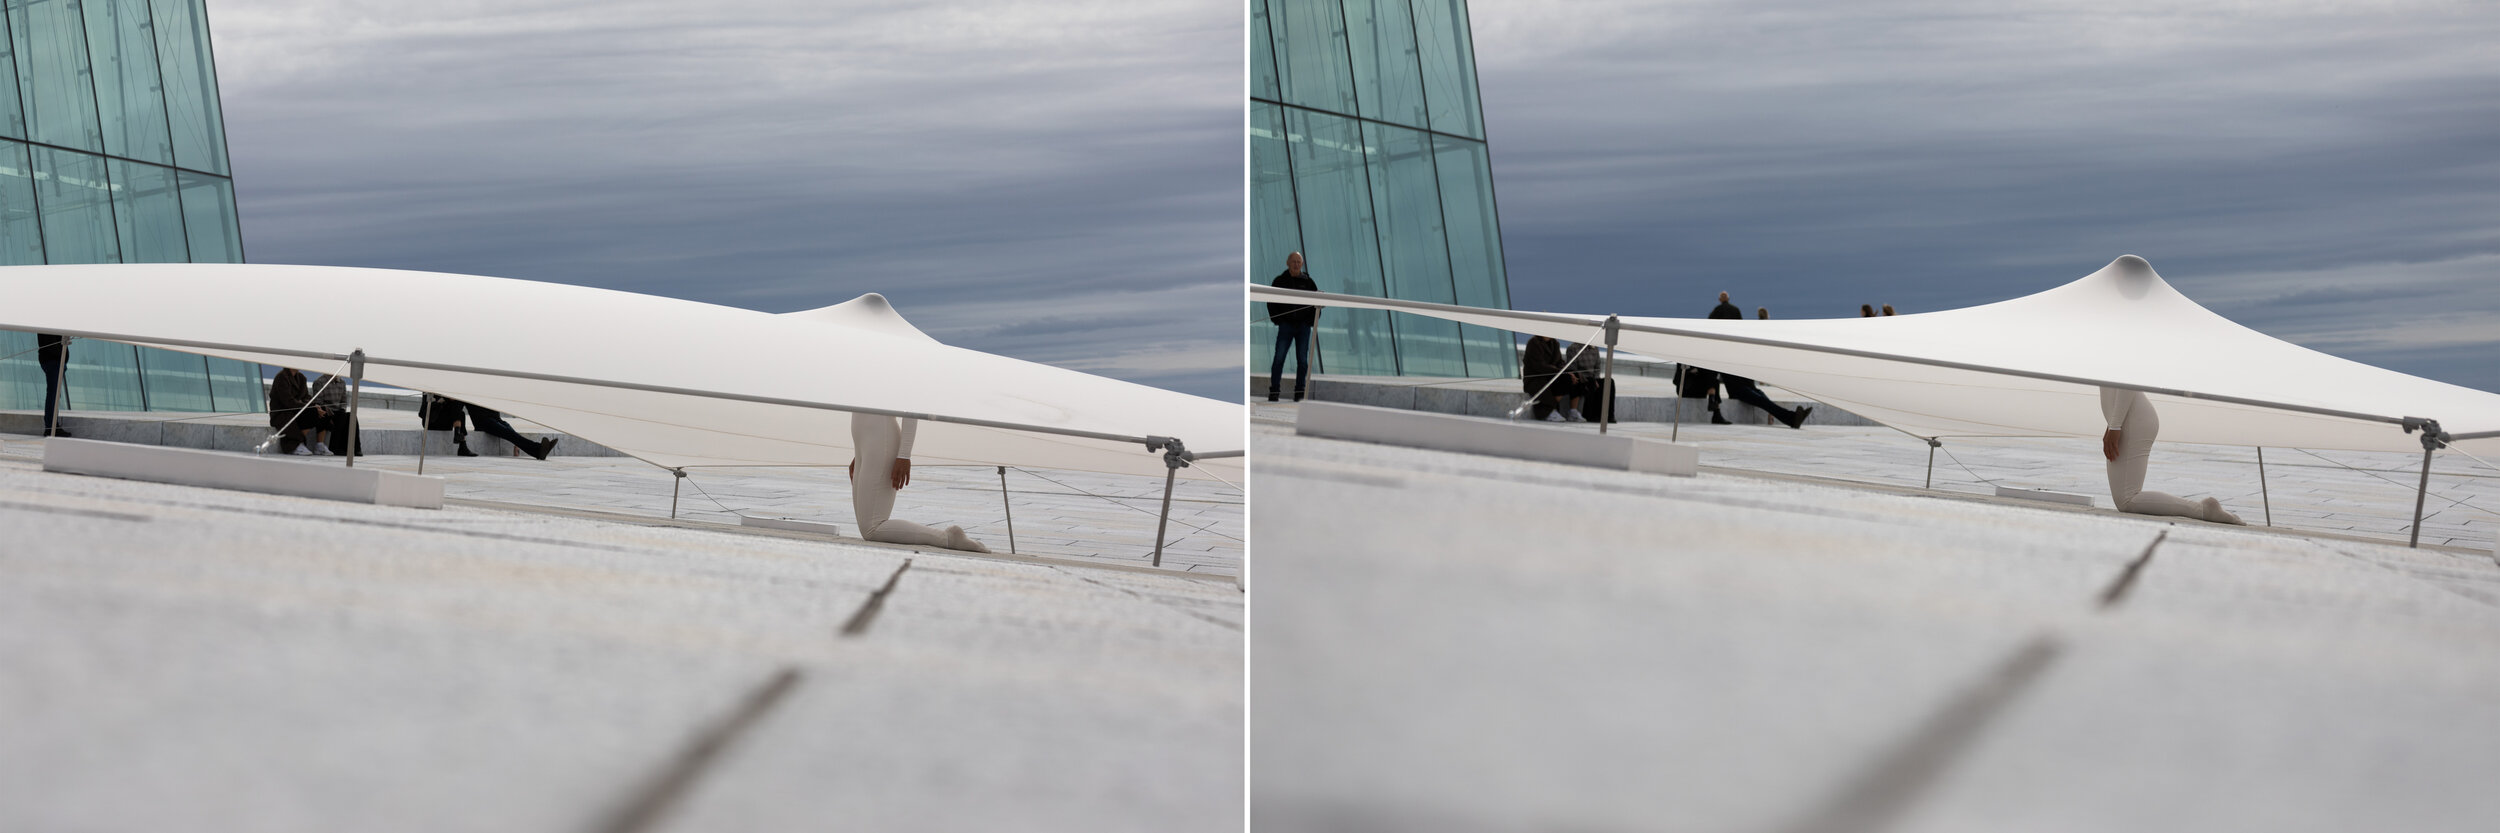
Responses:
[551,652]
[1802,638]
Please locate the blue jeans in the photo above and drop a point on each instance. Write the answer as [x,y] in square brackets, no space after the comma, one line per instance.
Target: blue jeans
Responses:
[1298,337]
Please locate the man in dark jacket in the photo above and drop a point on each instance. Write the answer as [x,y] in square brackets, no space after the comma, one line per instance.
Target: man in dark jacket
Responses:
[1543,374]
[1744,390]
[52,354]
[1293,329]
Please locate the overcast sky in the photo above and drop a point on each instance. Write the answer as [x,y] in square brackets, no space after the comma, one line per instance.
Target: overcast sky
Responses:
[1055,181]
[2328,173]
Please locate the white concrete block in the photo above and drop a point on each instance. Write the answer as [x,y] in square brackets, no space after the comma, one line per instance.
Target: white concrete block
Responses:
[789,524]
[1497,438]
[243,472]
[2044,495]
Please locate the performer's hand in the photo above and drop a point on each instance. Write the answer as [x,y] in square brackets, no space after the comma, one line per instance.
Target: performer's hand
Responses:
[902,472]
[2109,444]
[851,470]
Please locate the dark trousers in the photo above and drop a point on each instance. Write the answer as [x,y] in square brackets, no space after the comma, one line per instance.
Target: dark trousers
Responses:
[1297,337]
[491,424]
[54,362]
[1743,390]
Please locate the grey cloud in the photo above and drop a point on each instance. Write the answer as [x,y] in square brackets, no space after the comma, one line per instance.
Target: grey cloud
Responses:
[1022,159]
[1813,157]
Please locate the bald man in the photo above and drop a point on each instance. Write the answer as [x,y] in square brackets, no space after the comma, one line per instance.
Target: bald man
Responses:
[1293,329]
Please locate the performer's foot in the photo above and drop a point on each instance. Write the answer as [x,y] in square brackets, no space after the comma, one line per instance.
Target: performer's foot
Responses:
[1797,418]
[957,540]
[465,452]
[1271,396]
[2214,512]
[544,446]
[1716,419]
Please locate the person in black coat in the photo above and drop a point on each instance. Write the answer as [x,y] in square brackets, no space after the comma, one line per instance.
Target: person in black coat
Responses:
[52,354]
[1293,329]
[289,397]
[1543,374]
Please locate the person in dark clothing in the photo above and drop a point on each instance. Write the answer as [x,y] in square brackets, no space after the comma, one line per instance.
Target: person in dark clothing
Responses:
[488,422]
[1544,375]
[1744,390]
[289,396]
[1866,310]
[1293,329]
[52,354]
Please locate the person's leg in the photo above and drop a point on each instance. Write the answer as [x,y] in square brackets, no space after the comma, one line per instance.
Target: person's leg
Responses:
[491,424]
[1276,368]
[876,440]
[1744,390]
[1301,361]
[52,363]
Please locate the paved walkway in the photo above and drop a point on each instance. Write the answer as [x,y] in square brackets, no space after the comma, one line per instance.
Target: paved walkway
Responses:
[192,659]
[1455,642]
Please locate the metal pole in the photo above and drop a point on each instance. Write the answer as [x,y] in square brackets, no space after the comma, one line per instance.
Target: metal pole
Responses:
[674,486]
[355,391]
[1932,445]
[1677,380]
[1606,389]
[2432,439]
[1011,510]
[1166,517]
[2261,485]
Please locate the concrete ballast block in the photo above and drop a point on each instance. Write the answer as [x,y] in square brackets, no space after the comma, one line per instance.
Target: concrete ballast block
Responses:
[1497,438]
[241,472]
[2044,495]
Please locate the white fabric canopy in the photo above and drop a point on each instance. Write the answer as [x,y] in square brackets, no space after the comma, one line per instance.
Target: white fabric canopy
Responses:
[2032,366]
[645,375]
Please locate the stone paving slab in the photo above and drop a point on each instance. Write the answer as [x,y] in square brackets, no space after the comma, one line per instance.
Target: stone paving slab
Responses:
[179,658]
[1456,642]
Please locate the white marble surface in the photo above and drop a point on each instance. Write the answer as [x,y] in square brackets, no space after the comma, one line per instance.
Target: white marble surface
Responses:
[1454,642]
[181,658]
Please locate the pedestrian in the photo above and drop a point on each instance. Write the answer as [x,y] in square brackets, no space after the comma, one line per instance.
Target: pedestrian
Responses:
[1293,329]
[52,354]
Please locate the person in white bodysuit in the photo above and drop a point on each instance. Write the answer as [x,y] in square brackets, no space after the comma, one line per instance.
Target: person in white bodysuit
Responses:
[883,446]
[2129,447]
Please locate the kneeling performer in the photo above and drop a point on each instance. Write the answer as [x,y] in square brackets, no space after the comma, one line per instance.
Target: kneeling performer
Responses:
[883,446]
[2129,447]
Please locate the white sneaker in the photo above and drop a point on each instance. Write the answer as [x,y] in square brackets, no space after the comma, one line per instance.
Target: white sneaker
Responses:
[1555,416]
[1574,416]
[321,450]
[302,451]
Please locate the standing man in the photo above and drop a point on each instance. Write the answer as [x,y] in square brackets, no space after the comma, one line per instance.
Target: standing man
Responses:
[52,353]
[1293,329]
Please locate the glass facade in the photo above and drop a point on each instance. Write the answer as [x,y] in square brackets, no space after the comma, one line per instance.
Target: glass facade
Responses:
[1367,154]
[113,150]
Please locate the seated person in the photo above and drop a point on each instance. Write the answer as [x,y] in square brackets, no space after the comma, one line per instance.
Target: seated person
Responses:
[289,397]
[1543,375]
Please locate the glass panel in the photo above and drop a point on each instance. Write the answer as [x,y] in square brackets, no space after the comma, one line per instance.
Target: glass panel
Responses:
[21,382]
[1387,81]
[190,71]
[12,112]
[1340,248]
[1274,231]
[208,218]
[77,207]
[1406,201]
[1449,62]
[50,37]
[103,376]
[147,213]
[235,386]
[1475,235]
[175,381]
[1262,54]
[21,234]
[1311,54]
[126,85]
